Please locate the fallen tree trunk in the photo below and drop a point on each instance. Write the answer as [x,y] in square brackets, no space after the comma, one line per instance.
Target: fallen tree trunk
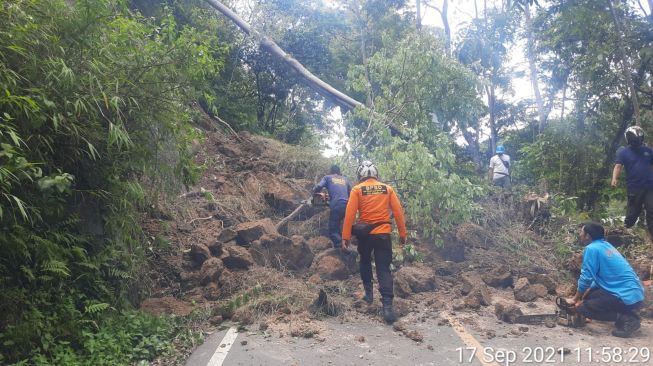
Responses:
[291,216]
[322,88]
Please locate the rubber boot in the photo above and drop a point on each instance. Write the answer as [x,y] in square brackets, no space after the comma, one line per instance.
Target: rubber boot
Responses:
[369,293]
[388,314]
[631,324]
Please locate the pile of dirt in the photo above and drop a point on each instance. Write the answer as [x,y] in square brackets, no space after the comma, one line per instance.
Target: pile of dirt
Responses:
[227,254]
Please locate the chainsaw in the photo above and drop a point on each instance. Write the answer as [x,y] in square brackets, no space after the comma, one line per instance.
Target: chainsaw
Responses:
[320,199]
[565,315]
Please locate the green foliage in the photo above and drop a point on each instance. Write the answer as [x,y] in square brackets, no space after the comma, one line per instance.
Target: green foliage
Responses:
[428,94]
[93,115]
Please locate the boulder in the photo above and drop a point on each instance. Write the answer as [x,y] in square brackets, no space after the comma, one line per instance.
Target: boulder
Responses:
[215,248]
[279,193]
[166,305]
[498,277]
[319,243]
[414,279]
[470,280]
[543,279]
[453,250]
[643,267]
[475,290]
[334,264]
[477,297]
[280,252]
[198,254]
[189,280]
[507,312]
[474,236]
[526,292]
[227,235]
[237,258]
[248,232]
[211,271]
[212,291]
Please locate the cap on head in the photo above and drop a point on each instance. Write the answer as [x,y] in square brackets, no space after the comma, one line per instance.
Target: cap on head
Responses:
[366,169]
[500,149]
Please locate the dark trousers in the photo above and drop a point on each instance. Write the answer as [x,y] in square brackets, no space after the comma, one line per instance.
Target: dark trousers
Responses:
[638,198]
[602,305]
[381,246]
[336,215]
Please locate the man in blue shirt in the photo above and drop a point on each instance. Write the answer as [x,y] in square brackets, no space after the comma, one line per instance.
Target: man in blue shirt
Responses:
[637,158]
[608,287]
[339,188]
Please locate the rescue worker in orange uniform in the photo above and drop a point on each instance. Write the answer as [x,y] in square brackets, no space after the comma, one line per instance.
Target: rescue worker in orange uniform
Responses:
[373,200]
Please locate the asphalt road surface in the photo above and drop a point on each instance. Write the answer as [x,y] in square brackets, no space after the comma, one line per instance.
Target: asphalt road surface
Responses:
[448,339]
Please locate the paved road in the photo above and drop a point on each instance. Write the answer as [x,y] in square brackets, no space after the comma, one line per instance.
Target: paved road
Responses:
[464,341]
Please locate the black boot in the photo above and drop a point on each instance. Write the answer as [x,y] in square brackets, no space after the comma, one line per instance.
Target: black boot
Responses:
[388,314]
[631,324]
[369,293]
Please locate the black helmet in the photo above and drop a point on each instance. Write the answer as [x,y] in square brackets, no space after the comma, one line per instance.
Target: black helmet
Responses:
[634,136]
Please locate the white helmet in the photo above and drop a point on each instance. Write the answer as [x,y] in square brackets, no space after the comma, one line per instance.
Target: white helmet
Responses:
[366,169]
[634,136]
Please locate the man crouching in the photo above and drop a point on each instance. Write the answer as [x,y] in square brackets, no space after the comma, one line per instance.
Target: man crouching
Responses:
[608,287]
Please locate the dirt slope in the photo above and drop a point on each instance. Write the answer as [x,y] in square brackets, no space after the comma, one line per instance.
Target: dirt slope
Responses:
[227,259]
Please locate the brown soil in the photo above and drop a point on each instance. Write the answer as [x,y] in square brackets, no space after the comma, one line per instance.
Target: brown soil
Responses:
[249,178]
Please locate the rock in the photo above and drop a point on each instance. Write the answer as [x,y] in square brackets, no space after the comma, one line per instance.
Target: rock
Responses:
[211,271]
[459,305]
[198,254]
[227,235]
[248,232]
[238,258]
[507,312]
[543,279]
[279,193]
[229,150]
[281,253]
[470,280]
[319,244]
[216,320]
[333,264]
[212,291]
[166,305]
[490,334]
[526,292]
[474,236]
[414,279]
[477,297]
[189,280]
[215,248]
[643,267]
[498,277]
[453,250]
[566,290]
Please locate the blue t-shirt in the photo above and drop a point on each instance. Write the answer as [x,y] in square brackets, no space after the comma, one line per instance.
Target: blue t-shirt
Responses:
[604,267]
[338,187]
[637,162]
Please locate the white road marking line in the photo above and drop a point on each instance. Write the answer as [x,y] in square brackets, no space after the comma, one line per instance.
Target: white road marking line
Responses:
[467,338]
[223,348]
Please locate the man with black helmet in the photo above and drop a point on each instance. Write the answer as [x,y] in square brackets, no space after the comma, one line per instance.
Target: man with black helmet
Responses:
[373,200]
[637,158]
